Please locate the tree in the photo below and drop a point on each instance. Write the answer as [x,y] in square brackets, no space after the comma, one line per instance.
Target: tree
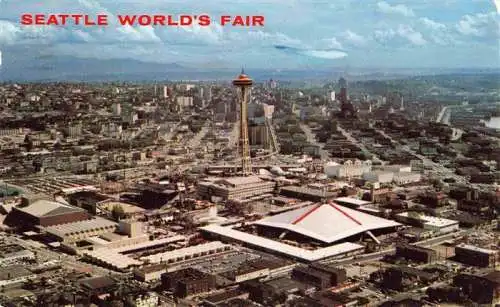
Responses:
[117,212]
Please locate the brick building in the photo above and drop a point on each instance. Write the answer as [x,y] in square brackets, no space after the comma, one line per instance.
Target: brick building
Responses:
[187,282]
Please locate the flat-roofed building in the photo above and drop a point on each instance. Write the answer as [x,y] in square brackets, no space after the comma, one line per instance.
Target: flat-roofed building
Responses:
[14,274]
[188,282]
[351,202]
[476,256]
[306,193]
[235,188]
[481,289]
[76,231]
[396,168]
[311,276]
[112,260]
[402,178]
[348,169]
[436,224]
[379,176]
[416,253]
[252,270]
[10,253]
[44,213]
[187,253]
[150,272]
[120,256]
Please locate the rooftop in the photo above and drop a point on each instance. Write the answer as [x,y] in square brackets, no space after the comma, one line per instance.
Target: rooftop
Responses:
[98,282]
[477,249]
[44,208]
[352,201]
[13,271]
[283,248]
[239,181]
[81,226]
[182,252]
[112,258]
[431,220]
[326,222]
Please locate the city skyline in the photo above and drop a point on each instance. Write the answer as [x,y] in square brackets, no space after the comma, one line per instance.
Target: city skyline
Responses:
[297,35]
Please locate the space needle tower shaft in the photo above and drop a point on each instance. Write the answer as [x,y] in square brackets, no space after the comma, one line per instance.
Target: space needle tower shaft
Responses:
[244,85]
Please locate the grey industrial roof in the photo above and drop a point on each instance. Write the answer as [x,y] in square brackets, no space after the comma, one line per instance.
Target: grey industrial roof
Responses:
[80,226]
[43,207]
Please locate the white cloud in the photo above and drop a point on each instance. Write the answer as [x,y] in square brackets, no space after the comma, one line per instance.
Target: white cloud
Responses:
[326,54]
[383,36]
[439,33]
[354,38]
[212,34]
[117,32]
[431,24]
[403,32]
[480,25]
[414,37]
[398,9]
[331,43]
[266,38]
[9,32]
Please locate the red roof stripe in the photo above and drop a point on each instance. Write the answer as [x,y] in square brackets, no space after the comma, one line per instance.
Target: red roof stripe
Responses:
[345,213]
[303,216]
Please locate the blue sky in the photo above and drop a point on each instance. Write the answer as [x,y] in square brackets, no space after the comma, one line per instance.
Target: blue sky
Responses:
[309,33]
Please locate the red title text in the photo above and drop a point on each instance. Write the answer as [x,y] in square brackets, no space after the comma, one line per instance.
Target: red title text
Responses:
[140,20]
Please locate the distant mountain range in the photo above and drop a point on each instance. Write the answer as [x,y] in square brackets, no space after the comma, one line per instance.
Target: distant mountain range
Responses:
[68,68]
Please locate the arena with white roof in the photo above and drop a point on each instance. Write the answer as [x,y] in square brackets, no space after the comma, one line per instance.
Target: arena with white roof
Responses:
[327,223]
[330,224]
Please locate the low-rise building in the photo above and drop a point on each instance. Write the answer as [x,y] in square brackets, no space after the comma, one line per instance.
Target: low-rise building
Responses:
[235,188]
[348,169]
[150,272]
[150,299]
[45,213]
[436,224]
[188,282]
[402,178]
[379,176]
[476,256]
[305,193]
[76,231]
[483,289]
[400,278]
[9,253]
[14,274]
[416,253]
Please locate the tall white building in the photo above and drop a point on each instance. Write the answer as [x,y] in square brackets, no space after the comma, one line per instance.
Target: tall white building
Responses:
[348,169]
[185,101]
[332,96]
[117,109]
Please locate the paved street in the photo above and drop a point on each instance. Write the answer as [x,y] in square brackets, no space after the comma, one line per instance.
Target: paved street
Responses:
[353,140]
[437,168]
[196,140]
[311,138]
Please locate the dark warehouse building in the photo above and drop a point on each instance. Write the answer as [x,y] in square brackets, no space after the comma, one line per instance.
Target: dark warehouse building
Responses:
[187,282]
[44,213]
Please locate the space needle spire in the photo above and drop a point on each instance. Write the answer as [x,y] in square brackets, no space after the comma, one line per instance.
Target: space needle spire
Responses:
[244,84]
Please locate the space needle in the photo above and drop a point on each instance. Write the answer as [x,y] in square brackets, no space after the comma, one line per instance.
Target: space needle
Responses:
[243,83]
